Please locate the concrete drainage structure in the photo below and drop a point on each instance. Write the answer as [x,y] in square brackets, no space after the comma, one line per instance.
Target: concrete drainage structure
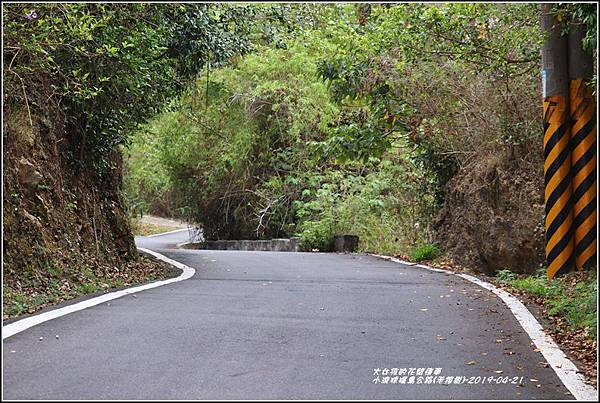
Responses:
[342,243]
[272,245]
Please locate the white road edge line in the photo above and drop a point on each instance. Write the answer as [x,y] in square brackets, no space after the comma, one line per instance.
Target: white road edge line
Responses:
[24,324]
[560,363]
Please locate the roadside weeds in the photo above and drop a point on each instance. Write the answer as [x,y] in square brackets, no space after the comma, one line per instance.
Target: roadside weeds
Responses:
[20,300]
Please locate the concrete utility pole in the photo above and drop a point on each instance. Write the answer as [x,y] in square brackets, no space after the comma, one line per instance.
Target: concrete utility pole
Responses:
[557,158]
[582,105]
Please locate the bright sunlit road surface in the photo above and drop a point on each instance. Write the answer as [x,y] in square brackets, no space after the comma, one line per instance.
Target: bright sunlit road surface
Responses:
[277,325]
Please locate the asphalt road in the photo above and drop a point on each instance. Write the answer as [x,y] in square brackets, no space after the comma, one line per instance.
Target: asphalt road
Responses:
[277,325]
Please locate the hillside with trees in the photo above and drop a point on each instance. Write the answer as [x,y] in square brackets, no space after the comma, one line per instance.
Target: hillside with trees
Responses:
[415,126]
[412,126]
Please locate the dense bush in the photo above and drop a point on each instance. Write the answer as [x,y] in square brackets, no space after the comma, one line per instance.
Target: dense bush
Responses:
[233,145]
[426,251]
[111,66]
[244,155]
[387,203]
[405,124]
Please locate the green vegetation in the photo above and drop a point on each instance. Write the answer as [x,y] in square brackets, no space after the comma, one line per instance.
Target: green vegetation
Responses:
[572,297]
[245,153]
[414,126]
[425,252]
[382,121]
[60,285]
[78,79]
[111,66]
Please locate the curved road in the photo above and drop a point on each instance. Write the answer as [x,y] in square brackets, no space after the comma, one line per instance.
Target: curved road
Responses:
[277,325]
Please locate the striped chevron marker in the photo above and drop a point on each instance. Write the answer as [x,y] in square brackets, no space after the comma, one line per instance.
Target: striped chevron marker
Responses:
[557,176]
[583,171]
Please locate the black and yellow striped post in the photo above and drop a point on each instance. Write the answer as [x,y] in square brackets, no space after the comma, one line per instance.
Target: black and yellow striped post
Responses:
[557,155]
[583,149]
[557,166]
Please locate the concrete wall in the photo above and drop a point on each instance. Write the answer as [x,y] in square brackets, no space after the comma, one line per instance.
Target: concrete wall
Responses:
[272,245]
[343,243]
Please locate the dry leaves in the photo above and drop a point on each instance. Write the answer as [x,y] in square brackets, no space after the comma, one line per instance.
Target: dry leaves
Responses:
[577,344]
[104,277]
